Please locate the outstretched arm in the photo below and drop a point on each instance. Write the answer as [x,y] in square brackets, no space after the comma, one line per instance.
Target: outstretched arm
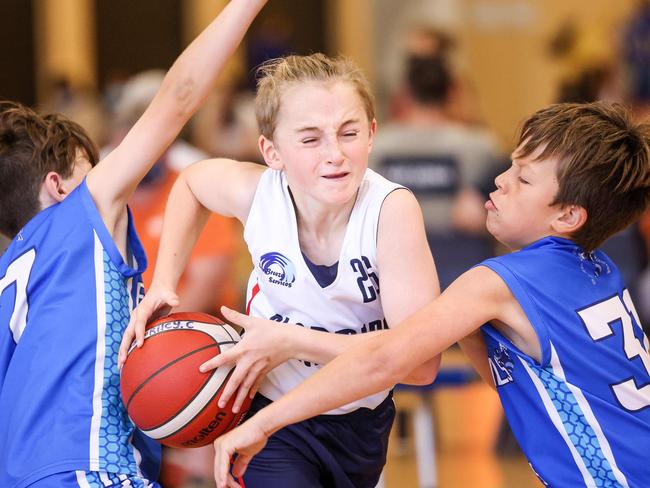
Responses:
[184,89]
[475,298]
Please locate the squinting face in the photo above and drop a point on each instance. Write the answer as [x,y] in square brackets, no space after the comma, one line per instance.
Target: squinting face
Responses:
[520,211]
[322,141]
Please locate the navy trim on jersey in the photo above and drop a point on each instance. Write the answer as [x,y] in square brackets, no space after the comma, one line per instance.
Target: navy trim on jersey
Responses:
[324,274]
[107,240]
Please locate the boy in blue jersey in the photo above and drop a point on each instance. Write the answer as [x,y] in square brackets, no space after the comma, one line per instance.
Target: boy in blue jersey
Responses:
[71,275]
[550,325]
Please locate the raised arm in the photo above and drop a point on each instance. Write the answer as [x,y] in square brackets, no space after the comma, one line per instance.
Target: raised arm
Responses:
[184,89]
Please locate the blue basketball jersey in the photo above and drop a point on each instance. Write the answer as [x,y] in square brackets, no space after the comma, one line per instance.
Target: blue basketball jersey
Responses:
[581,415]
[65,299]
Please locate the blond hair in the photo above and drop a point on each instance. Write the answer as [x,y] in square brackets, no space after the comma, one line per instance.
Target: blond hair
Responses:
[276,75]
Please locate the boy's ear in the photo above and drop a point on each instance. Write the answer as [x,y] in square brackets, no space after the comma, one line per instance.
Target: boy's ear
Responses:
[373,129]
[52,189]
[572,218]
[270,153]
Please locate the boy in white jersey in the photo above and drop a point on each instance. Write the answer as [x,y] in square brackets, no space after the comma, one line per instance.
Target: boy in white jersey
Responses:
[562,342]
[326,235]
[70,276]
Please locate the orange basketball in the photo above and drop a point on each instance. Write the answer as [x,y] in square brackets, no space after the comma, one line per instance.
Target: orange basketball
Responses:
[166,395]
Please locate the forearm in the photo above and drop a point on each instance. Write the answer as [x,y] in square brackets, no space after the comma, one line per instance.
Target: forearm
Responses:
[317,346]
[191,77]
[184,220]
[327,389]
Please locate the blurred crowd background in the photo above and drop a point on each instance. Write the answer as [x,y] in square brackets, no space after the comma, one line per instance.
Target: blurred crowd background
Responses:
[453,80]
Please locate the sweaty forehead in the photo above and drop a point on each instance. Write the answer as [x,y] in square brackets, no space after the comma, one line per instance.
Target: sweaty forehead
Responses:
[314,104]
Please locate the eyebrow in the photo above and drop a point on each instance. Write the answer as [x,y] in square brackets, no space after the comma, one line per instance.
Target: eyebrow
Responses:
[317,129]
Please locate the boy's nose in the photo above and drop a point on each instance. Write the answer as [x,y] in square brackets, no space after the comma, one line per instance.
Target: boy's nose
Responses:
[498,182]
[334,155]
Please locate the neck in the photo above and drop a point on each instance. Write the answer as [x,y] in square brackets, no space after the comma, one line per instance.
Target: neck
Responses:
[321,229]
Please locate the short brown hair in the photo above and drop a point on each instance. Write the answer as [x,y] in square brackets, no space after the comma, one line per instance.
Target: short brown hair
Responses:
[276,75]
[604,163]
[31,146]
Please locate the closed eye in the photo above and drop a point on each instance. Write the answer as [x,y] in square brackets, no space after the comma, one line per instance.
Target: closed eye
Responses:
[525,182]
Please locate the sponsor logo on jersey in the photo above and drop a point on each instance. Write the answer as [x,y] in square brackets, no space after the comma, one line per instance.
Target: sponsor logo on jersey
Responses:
[501,365]
[279,269]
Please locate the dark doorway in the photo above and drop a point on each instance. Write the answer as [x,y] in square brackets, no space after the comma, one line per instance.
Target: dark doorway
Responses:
[17,79]
[136,35]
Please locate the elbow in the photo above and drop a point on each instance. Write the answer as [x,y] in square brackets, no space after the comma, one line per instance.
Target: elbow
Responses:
[425,374]
[179,90]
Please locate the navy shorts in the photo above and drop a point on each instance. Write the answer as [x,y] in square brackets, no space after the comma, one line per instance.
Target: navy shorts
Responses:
[333,451]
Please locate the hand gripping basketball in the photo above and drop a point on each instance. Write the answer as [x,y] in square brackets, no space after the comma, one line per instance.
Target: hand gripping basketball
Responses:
[265,345]
[166,395]
[156,303]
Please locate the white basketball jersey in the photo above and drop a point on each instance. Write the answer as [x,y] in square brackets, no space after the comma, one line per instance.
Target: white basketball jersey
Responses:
[282,287]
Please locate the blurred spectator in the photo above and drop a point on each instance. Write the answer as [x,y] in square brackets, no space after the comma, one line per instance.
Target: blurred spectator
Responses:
[444,163]
[636,53]
[587,86]
[427,42]
[226,125]
[208,280]
[80,104]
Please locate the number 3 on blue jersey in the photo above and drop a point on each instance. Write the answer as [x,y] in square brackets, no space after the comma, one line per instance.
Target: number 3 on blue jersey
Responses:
[598,320]
[18,272]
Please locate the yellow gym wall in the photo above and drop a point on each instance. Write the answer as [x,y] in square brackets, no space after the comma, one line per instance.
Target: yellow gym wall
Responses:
[502,43]
[65,43]
[508,59]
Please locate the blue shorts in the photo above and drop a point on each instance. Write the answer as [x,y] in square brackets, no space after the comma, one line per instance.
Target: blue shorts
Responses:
[333,451]
[92,479]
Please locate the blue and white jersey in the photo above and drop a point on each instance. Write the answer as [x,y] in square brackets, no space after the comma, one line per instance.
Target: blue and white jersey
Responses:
[282,287]
[581,415]
[66,296]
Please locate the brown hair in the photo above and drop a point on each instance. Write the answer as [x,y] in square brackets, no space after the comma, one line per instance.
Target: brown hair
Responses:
[31,146]
[276,75]
[604,163]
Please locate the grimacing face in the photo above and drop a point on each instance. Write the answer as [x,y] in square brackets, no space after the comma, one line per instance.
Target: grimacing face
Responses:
[322,141]
[519,210]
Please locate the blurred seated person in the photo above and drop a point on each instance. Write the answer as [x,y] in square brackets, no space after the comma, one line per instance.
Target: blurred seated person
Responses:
[427,42]
[444,163]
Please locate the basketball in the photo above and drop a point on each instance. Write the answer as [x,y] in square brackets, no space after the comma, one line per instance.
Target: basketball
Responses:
[166,395]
